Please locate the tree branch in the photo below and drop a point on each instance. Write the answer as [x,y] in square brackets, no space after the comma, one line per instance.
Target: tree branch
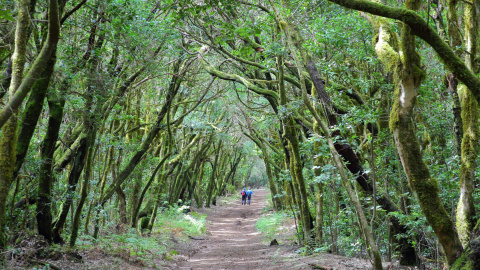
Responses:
[421,29]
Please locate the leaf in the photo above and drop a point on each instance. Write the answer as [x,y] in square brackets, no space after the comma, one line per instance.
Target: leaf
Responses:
[6,15]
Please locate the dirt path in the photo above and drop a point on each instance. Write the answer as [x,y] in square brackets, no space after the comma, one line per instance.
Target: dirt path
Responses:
[234,244]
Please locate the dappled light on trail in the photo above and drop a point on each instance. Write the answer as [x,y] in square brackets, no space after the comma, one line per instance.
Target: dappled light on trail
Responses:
[233,242]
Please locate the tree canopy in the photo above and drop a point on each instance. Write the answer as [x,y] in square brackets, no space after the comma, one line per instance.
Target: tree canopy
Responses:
[354,113]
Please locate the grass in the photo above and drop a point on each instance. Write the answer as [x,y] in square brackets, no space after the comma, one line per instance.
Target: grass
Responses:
[171,226]
[173,220]
[276,225]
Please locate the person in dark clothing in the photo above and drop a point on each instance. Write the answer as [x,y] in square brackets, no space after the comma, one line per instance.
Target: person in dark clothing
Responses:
[244,196]
[249,195]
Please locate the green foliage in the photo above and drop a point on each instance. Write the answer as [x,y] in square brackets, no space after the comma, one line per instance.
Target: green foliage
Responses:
[278,225]
[6,15]
[138,246]
[341,43]
[145,247]
[231,188]
[173,218]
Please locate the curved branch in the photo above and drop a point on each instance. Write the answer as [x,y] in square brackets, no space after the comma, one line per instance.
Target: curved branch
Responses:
[421,29]
[234,77]
[68,14]
[38,65]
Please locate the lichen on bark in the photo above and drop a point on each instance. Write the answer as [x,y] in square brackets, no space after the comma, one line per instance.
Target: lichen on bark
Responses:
[469,112]
[8,135]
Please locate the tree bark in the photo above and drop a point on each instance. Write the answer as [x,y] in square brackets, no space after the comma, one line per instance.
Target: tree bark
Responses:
[46,176]
[152,133]
[24,86]
[418,175]
[211,181]
[295,160]
[8,136]
[465,220]
[83,192]
[420,29]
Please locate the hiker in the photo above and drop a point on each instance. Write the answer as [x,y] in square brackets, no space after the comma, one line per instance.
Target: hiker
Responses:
[244,196]
[249,195]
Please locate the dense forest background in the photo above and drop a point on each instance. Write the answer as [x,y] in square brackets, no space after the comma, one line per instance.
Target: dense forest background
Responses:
[360,116]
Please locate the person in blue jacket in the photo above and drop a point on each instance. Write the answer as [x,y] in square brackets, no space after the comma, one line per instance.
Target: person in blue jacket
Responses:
[249,195]
[244,196]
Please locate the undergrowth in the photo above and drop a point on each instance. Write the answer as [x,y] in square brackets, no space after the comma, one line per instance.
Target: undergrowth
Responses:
[276,225]
[171,226]
[173,220]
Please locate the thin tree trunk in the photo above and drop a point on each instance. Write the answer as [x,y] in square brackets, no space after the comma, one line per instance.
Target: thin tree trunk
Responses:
[46,176]
[77,167]
[122,209]
[83,194]
[271,183]
[295,160]
[142,196]
[211,182]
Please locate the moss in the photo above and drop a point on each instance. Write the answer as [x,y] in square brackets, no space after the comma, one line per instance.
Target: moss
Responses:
[283,25]
[425,187]
[422,30]
[413,4]
[394,113]
[462,263]
[469,148]
[386,44]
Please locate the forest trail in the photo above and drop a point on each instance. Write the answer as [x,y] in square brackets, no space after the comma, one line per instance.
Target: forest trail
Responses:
[233,243]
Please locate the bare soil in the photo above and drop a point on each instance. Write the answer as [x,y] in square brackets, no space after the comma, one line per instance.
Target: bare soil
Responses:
[231,242]
[234,243]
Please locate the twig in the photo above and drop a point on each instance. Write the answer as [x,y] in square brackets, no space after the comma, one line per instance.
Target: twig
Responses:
[54,267]
[65,17]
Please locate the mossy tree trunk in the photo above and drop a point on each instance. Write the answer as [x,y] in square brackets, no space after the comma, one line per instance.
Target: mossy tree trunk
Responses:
[20,88]
[293,38]
[122,205]
[296,166]
[91,120]
[172,91]
[30,115]
[78,163]
[84,188]
[211,182]
[455,43]
[465,208]
[319,192]
[142,195]
[46,176]
[258,140]
[409,77]
[319,213]
[8,136]
[277,204]
[198,197]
